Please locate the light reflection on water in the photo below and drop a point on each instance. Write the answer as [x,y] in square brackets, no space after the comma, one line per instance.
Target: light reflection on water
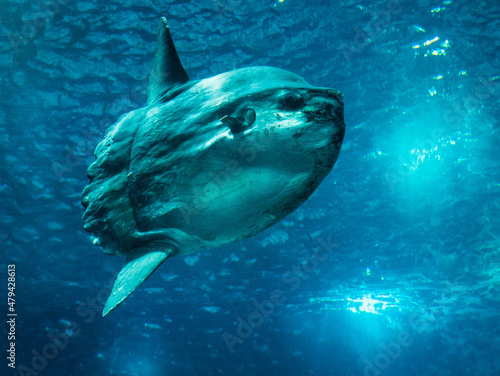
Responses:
[368,303]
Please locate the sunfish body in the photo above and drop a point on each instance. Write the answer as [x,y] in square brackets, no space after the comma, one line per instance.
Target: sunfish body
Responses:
[206,162]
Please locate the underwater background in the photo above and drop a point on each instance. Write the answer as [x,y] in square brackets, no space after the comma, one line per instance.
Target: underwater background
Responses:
[408,219]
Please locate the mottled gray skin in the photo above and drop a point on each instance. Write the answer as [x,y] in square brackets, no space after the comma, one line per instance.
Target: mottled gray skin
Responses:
[176,166]
[173,178]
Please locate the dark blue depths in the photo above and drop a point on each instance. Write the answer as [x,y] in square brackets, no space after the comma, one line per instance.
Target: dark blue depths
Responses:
[391,268]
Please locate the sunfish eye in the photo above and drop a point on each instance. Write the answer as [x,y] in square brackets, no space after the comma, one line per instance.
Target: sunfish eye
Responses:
[293,101]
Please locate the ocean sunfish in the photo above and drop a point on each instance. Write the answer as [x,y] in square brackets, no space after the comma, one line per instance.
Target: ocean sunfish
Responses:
[206,162]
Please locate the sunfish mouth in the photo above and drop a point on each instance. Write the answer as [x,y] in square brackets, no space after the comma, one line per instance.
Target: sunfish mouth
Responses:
[326,105]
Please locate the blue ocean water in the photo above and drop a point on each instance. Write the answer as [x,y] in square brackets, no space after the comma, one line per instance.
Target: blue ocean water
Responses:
[408,221]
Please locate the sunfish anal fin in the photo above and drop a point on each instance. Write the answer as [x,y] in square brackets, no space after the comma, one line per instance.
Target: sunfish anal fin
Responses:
[167,71]
[135,271]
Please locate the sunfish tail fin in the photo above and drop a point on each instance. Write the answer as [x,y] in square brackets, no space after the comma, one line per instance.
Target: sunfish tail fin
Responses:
[135,271]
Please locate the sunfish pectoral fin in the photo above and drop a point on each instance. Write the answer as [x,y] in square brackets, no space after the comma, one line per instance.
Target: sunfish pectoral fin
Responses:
[236,125]
[135,271]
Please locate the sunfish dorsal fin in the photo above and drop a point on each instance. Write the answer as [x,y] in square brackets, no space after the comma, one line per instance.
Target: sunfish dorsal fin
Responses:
[167,71]
[135,271]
